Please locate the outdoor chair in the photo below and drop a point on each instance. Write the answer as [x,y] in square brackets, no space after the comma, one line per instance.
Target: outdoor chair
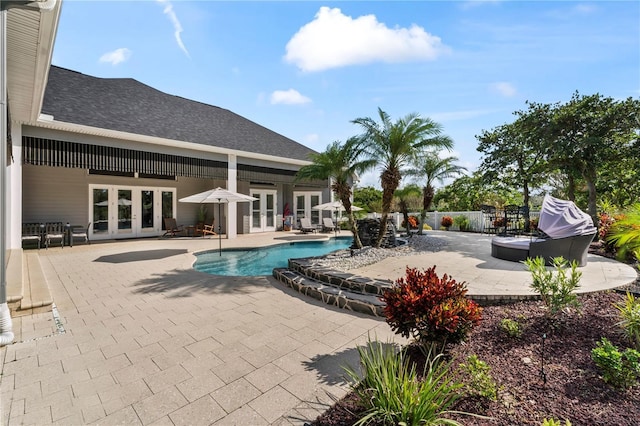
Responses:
[31,234]
[489,217]
[512,217]
[306,226]
[209,229]
[79,233]
[54,234]
[328,225]
[171,228]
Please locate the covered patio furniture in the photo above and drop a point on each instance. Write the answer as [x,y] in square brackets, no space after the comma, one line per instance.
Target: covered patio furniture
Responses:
[79,233]
[566,231]
[54,234]
[306,226]
[171,228]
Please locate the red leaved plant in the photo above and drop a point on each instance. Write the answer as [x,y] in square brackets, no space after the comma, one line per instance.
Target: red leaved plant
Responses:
[430,309]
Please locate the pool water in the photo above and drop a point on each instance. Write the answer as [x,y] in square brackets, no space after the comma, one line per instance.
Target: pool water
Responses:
[262,261]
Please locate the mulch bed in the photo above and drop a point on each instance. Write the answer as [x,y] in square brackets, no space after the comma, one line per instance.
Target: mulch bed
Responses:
[560,381]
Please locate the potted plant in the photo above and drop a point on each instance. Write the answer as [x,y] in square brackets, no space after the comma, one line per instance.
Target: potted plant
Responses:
[202,215]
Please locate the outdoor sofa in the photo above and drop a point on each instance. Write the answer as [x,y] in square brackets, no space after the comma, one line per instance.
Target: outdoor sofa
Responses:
[565,231]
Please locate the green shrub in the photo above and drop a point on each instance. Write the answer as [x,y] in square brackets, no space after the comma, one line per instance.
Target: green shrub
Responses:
[556,289]
[392,393]
[511,327]
[630,318]
[479,380]
[429,308]
[462,222]
[619,369]
[624,233]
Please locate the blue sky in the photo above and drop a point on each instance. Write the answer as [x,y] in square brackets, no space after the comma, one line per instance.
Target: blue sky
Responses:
[305,69]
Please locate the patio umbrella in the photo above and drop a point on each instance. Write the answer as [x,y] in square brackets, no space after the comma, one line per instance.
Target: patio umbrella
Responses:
[217,196]
[334,206]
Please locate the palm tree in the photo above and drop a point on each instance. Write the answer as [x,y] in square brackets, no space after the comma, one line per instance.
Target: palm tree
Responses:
[340,163]
[393,145]
[407,198]
[432,168]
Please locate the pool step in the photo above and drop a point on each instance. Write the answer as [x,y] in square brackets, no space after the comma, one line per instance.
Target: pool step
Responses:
[369,304]
[337,288]
[340,279]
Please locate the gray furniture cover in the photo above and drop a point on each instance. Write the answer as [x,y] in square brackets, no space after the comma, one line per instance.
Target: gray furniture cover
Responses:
[567,231]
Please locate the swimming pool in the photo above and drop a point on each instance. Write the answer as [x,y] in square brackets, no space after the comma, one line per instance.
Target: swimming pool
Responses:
[262,261]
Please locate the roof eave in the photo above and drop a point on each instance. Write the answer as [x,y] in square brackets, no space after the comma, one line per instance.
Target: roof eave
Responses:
[30,38]
[47,123]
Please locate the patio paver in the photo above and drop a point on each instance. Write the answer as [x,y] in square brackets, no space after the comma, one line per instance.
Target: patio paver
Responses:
[145,339]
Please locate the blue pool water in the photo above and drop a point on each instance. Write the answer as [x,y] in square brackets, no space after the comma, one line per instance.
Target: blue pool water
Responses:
[261,261]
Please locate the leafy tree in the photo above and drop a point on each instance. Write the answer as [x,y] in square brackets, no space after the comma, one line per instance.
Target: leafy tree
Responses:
[470,192]
[513,153]
[340,163]
[393,145]
[407,198]
[591,133]
[431,168]
[368,198]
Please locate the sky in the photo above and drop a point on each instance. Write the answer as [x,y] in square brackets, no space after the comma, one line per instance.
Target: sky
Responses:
[306,69]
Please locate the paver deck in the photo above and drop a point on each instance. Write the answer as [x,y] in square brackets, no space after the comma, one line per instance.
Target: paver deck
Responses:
[138,337]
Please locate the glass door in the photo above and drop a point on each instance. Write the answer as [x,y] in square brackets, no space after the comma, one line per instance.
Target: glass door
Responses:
[129,212]
[125,216]
[147,212]
[304,201]
[99,212]
[263,210]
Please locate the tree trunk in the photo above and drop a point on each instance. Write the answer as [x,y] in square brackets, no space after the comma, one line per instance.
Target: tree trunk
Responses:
[592,208]
[571,190]
[427,197]
[387,197]
[525,196]
[345,198]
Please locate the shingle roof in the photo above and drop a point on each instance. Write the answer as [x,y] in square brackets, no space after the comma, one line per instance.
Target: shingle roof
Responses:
[126,105]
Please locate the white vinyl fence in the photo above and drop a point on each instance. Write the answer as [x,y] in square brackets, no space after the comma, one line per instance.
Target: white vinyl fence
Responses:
[477,219]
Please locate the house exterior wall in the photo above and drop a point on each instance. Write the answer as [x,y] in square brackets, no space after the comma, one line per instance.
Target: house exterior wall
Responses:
[57,194]
[60,194]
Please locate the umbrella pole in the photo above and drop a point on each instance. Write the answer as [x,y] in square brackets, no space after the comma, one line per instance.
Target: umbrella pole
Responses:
[219,228]
[335,225]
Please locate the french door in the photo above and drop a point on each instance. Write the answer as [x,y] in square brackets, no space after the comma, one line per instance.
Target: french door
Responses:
[129,211]
[263,210]
[303,204]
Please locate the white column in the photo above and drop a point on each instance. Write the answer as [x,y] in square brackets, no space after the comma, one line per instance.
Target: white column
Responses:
[232,208]
[14,181]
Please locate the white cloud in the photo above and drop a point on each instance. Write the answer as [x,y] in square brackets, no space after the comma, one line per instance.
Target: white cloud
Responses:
[117,56]
[504,89]
[585,9]
[288,97]
[177,27]
[334,40]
